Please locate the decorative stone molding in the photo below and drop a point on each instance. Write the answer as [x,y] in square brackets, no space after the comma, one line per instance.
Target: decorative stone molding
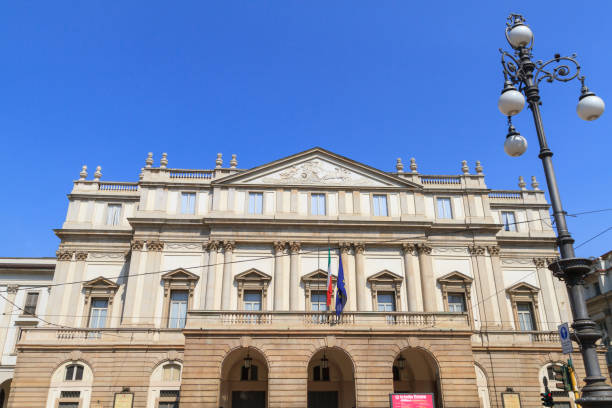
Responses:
[229,246]
[386,281]
[476,250]
[183,245]
[359,247]
[410,249]
[81,256]
[256,280]
[456,282]
[107,255]
[178,279]
[295,247]
[155,246]
[493,250]
[173,355]
[63,255]
[137,245]
[424,249]
[513,261]
[12,288]
[540,262]
[524,292]
[75,355]
[279,247]
[449,250]
[345,247]
[99,287]
[316,280]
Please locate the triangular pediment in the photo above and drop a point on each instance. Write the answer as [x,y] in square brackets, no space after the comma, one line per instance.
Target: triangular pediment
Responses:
[318,275]
[179,274]
[100,282]
[317,167]
[385,276]
[522,287]
[454,277]
[253,275]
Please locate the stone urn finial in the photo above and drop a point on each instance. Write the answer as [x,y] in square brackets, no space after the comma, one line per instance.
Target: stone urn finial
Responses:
[163,163]
[413,165]
[534,183]
[98,173]
[149,161]
[219,161]
[464,167]
[522,183]
[233,162]
[478,167]
[83,173]
[399,166]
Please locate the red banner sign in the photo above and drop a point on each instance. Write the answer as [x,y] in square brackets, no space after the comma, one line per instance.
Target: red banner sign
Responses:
[411,400]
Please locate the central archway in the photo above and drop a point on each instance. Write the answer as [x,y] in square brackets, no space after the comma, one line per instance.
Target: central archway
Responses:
[244,379]
[331,379]
[415,371]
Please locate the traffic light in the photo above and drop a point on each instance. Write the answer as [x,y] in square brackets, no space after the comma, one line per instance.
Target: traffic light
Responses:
[561,373]
[547,398]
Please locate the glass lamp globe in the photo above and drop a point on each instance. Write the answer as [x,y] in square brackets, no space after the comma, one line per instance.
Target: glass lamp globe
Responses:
[519,36]
[510,102]
[590,106]
[515,144]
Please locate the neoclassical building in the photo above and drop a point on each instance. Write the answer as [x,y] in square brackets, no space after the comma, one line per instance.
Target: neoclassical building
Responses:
[207,288]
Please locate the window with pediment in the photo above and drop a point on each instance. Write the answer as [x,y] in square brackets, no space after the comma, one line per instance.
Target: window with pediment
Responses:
[315,289]
[386,289]
[456,293]
[524,300]
[179,285]
[98,291]
[252,289]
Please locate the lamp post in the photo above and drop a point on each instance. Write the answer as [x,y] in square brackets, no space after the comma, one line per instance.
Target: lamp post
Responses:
[519,70]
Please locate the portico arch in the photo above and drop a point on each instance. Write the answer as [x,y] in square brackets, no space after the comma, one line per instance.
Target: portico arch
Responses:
[244,379]
[331,379]
[416,371]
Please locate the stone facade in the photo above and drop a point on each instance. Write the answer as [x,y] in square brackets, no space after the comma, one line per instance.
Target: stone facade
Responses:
[210,283]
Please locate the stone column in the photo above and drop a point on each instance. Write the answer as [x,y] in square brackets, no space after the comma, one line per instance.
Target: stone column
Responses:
[151,283]
[226,291]
[74,291]
[548,294]
[132,292]
[412,279]
[500,289]
[563,302]
[279,248]
[487,298]
[203,282]
[212,247]
[9,309]
[54,305]
[360,281]
[427,279]
[294,277]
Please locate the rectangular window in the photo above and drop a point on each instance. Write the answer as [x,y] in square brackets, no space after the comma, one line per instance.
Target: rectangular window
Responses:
[30,303]
[525,316]
[252,300]
[114,214]
[188,203]
[255,203]
[317,204]
[444,208]
[380,205]
[68,405]
[508,220]
[456,302]
[97,313]
[178,309]
[386,302]
[248,374]
[318,301]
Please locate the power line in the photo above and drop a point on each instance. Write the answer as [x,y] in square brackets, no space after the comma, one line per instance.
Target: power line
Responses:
[593,237]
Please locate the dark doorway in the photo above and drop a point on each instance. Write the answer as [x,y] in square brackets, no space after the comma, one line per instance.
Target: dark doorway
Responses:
[322,399]
[248,399]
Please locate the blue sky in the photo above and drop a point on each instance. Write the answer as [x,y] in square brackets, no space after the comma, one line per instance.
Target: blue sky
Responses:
[103,83]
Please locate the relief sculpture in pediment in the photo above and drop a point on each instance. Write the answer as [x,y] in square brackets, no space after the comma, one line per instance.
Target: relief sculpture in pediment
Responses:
[317,172]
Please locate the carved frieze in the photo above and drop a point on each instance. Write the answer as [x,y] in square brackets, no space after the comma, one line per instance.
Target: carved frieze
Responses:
[189,246]
[449,251]
[113,256]
[516,261]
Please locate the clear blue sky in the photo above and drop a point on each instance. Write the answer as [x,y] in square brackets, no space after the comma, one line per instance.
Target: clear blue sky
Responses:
[103,83]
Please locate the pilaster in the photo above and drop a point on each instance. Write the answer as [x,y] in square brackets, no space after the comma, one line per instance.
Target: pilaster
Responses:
[500,290]
[412,277]
[360,280]
[487,297]
[427,279]
[294,275]
[228,256]
[279,248]
[552,319]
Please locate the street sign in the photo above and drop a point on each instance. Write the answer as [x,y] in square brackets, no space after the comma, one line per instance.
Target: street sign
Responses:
[566,343]
[411,400]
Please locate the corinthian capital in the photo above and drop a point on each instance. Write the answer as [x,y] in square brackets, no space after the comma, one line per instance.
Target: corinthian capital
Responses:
[345,247]
[295,247]
[81,256]
[540,262]
[279,246]
[229,246]
[359,247]
[410,249]
[423,249]
[63,255]
[156,246]
[476,250]
[493,250]
[136,245]
[212,245]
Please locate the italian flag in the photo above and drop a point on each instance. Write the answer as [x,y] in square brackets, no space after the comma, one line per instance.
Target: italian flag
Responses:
[329,280]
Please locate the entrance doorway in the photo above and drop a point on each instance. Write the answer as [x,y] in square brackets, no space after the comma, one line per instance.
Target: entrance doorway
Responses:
[244,379]
[415,371]
[331,381]
[323,399]
[248,399]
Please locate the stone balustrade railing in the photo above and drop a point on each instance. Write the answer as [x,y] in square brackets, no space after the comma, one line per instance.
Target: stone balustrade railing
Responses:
[117,186]
[441,180]
[515,338]
[189,174]
[506,195]
[72,336]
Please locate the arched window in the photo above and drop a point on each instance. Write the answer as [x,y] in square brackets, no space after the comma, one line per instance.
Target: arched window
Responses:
[74,372]
[164,385]
[172,372]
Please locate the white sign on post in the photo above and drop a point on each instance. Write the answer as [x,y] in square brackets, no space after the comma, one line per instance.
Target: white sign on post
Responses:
[564,335]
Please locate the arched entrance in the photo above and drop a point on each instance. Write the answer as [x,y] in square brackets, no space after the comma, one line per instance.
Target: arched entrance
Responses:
[244,379]
[5,387]
[331,380]
[415,371]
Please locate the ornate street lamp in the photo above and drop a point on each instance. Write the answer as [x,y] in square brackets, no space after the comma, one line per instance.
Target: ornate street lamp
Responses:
[324,361]
[519,70]
[401,362]
[247,361]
